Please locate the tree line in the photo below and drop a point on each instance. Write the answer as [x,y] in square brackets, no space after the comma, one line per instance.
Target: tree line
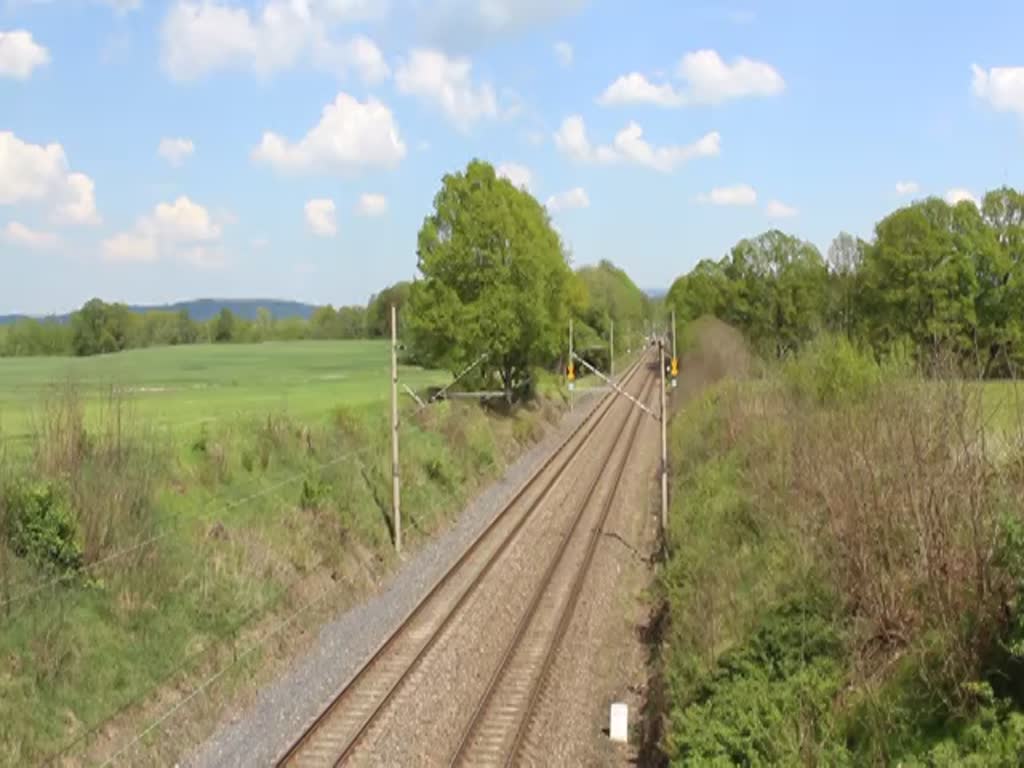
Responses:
[934,277]
[99,327]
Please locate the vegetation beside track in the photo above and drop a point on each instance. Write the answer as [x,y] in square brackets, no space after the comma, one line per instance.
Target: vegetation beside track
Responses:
[248,518]
[845,566]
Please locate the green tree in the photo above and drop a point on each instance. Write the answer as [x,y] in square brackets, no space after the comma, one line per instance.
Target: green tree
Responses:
[777,292]
[100,328]
[919,278]
[351,322]
[323,323]
[611,296]
[378,310]
[495,279]
[704,291]
[845,255]
[224,326]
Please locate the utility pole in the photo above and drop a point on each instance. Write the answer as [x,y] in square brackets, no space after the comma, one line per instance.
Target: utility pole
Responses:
[664,444]
[572,367]
[611,353]
[396,490]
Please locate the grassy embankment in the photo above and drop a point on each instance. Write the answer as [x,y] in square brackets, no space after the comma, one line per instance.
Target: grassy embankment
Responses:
[263,474]
[846,563]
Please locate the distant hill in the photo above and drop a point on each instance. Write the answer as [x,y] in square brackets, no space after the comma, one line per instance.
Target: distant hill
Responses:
[201,310]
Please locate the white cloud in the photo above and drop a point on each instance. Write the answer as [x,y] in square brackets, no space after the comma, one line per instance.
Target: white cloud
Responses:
[203,36]
[634,88]
[447,83]
[36,173]
[77,201]
[958,195]
[740,194]
[366,58]
[180,221]
[130,247]
[17,233]
[779,210]
[465,24]
[320,216]
[907,188]
[182,230]
[564,53]
[569,200]
[1001,87]
[630,147]
[350,136]
[355,10]
[371,205]
[519,175]
[710,80]
[20,54]
[174,151]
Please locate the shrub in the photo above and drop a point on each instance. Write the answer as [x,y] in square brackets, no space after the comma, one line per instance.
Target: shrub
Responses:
[832,371]
[42,527]
[768,701]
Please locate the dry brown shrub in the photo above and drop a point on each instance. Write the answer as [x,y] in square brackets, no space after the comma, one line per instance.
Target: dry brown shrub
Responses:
[900,500]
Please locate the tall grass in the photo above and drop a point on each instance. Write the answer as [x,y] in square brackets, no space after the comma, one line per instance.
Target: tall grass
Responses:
[243,522]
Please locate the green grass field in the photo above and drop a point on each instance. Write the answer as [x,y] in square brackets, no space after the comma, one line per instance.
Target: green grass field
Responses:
[181,387]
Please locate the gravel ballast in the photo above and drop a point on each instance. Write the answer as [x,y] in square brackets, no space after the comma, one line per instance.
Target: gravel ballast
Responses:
[282,709]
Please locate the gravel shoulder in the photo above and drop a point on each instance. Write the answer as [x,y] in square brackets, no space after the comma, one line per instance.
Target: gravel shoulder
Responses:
[281,710]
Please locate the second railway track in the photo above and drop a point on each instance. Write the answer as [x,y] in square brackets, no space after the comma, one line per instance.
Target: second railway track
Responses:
[340,734]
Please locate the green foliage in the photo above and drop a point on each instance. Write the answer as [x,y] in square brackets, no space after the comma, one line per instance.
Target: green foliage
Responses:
[41,526]
[832,371]
[100,328]
[495,280]
[609,296]
[935,278]
[919,278]
[845,571]
[769,700]
[772,287]
[223,326]
[378,310]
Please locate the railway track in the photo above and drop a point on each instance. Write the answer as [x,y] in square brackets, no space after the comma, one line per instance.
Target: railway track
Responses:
[337,734]
[497,732]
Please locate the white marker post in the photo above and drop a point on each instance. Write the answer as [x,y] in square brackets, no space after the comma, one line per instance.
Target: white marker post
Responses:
[618,727]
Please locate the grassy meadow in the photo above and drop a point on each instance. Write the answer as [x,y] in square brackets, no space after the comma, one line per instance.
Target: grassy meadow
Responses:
[179,387]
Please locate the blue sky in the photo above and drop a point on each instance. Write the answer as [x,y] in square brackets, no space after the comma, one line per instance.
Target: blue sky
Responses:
[155,151]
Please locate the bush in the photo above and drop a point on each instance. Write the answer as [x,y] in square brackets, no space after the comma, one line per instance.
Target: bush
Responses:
[768,701]
[832,371]
[41,526]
